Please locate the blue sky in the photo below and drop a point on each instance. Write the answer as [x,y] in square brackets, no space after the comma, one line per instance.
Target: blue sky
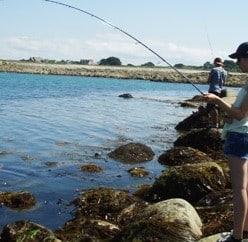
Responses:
[189,32]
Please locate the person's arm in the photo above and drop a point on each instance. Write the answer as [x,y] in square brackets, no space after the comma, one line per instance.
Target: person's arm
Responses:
[233,112]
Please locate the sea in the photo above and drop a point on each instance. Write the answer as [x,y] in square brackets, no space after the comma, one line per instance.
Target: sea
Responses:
[52,125]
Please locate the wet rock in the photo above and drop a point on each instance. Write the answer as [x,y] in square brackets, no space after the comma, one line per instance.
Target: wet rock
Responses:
[126,95]
[103,203]
[197,120]
[187,104]
[205,140]
[182,155]
[216,212]
[132,153]
[138,172]
[86,229]
[91,168]
[26,231]
[170,220]
[201,118]
[190,182]
[17,200]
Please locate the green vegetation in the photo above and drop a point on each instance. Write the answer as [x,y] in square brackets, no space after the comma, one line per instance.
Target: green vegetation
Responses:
[229,65]
[148,64]
[111,61]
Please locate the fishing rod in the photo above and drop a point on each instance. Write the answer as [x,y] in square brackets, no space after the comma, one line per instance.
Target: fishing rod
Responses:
[129,35]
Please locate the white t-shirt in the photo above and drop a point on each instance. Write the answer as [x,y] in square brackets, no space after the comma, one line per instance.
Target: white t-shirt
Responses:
[239,126]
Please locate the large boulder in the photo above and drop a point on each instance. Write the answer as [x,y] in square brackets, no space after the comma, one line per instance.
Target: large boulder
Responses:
[170,220]
[201,117]
[198,119]
[181,155]
[132,153]
[190,182]
[205,140]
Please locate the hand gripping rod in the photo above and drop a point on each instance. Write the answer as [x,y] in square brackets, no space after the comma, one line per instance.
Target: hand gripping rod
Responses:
[131,36]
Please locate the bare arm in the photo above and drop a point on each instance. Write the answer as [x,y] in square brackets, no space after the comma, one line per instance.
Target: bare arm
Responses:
[236,113]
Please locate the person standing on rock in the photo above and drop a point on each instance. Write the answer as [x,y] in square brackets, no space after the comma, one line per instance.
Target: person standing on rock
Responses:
[235,134]
[216,79]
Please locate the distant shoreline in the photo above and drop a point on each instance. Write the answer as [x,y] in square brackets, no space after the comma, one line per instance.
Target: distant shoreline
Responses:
[159,74]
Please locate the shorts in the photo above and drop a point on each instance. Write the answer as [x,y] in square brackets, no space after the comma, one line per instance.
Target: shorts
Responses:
[236,144]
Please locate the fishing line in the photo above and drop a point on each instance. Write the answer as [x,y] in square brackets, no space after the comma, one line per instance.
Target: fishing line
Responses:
[129,35]
[209,42]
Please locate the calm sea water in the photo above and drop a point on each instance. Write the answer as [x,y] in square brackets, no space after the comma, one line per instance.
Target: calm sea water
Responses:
[67,120]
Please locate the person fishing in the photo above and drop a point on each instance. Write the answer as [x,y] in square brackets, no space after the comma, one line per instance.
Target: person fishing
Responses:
[216,79]
[235,134]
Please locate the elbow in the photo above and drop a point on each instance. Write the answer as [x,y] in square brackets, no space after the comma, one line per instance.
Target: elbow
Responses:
[240,117]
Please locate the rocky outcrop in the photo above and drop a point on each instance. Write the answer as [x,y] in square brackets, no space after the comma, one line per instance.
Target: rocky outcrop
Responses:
[181,155]
[169,220]
[206,140]
[132,153]
[191,182]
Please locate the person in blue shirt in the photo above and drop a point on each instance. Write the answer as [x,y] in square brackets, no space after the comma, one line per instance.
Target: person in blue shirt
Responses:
[216,79]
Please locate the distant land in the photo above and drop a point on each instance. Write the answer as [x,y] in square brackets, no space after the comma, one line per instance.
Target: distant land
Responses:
[159,74]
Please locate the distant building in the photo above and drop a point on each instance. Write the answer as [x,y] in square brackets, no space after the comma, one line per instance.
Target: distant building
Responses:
[35,59]
[87,62]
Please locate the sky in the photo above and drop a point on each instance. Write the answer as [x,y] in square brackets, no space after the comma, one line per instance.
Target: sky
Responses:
[190,32]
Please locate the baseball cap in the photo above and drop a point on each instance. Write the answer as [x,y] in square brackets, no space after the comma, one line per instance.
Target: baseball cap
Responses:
[242,51]
[218,61]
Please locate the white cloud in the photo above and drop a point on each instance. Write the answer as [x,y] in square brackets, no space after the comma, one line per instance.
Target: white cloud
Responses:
[102,46]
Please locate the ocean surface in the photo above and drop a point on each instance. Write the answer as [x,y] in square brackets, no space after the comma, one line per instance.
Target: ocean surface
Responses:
[65,121]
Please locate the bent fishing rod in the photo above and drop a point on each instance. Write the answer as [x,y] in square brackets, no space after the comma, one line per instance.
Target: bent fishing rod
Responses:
[129,35]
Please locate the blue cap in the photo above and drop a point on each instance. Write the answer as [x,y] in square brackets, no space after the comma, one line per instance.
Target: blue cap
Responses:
[242,51]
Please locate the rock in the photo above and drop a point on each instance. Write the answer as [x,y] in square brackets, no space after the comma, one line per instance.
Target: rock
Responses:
[197,120]
[182,155]
[126,95]
[91,168]
[27,231]
[187,104]
[191,182]
[216,212]
[96,215]
[170,220]
[85,229]
[138,172]
[103,203]
[17,200]
[132,153]
[201,118]
[205,140]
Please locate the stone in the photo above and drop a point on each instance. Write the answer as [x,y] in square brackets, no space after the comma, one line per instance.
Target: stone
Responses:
[191,182]
[27,231]
[182,155]
[132,153]
[169,220]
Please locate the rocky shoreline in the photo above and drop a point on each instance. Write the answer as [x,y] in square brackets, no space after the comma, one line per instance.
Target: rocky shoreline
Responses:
[159,74]
[190,201]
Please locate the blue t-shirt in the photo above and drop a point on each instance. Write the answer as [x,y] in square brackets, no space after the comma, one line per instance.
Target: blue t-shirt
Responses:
[217,78]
